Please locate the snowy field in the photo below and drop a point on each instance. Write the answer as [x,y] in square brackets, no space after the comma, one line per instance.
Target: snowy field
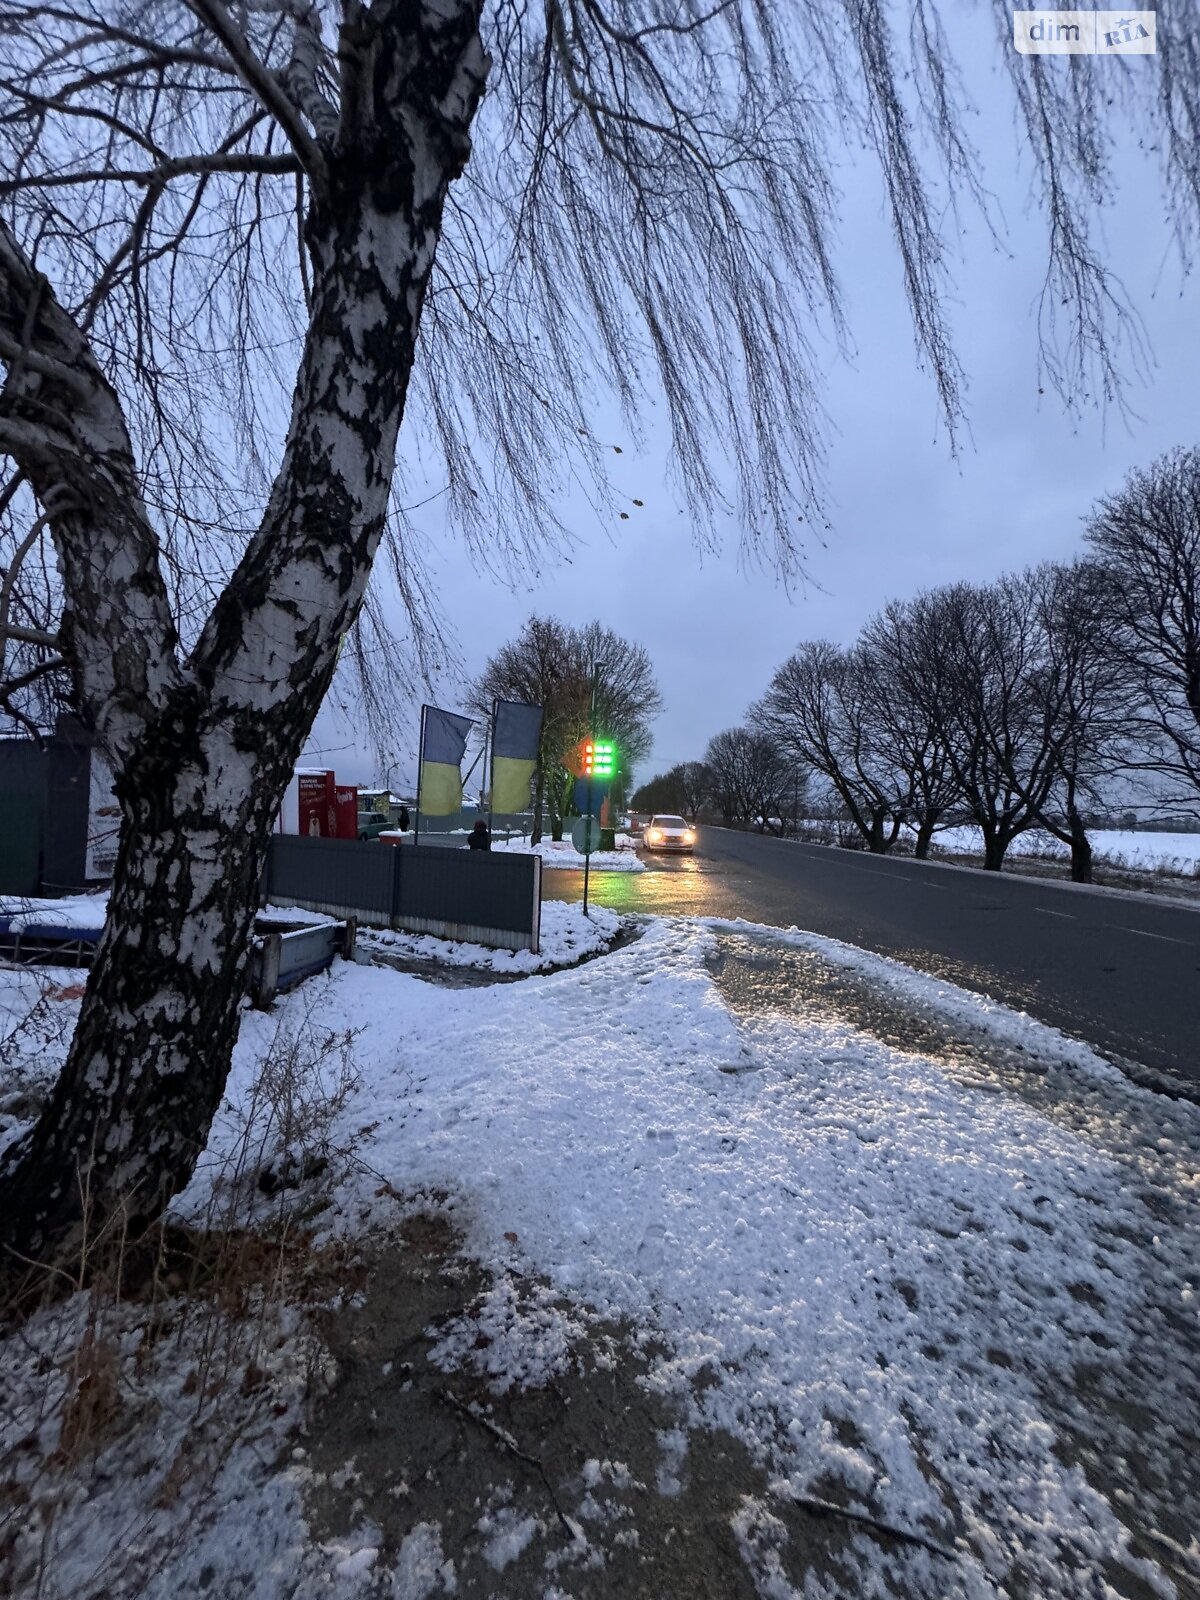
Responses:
[1143,852]
[900,1276]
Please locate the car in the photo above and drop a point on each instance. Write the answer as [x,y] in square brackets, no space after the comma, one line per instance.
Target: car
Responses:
[668,833]
[371,824]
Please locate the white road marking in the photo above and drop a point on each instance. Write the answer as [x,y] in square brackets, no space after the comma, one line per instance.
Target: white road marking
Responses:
[1146,934]
[1046,912]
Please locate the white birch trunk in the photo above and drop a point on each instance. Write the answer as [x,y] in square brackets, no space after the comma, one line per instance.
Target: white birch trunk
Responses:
[203,749]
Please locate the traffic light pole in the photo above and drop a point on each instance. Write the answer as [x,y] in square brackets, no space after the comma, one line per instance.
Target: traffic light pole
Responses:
[587,859]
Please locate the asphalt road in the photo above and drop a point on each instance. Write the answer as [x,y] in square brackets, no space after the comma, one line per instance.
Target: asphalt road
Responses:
[1121,972]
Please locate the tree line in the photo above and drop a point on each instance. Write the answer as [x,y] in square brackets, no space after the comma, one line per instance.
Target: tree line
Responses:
[1017,704]
[744,776]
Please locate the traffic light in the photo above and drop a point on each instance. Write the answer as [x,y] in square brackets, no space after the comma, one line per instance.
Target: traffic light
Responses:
[599,759]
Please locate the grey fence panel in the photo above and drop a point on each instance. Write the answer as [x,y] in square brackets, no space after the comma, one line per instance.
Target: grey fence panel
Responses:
[342,877]
[482,896]
[23,807]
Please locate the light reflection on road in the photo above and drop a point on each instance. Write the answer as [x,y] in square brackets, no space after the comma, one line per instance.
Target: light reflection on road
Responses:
[682,886]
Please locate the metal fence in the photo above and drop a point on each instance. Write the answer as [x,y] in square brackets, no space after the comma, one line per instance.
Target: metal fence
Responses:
[44,802]
[282,957]
[475,895]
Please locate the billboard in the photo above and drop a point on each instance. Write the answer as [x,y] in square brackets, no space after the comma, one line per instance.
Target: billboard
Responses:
[318,805]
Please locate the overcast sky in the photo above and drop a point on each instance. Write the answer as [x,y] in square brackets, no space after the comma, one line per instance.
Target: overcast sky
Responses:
[904,513]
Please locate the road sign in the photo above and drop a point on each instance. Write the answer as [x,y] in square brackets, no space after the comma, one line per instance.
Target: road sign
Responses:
[585,835]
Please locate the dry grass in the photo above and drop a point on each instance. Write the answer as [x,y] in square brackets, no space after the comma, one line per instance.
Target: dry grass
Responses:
[132,1376]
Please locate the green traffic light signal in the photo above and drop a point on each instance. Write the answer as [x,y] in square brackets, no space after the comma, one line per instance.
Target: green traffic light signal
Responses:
[599,758]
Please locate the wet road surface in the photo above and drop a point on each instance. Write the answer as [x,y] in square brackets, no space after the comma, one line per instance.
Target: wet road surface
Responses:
[1121,972]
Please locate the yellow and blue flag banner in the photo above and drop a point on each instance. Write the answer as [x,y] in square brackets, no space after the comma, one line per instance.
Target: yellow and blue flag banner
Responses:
[443,742]
[516,729]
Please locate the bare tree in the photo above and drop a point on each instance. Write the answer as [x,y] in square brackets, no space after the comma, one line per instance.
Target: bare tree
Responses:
[222,226]
[685,788]
[819,709]
[1003,698]
[534,668]
[627,694]
[750,778]
[972,659]
[906,729]
[772,778]
[1148,535]
[725,760]
[34,682]
[551,664]
[663,792]
[1081,690]
[695,785]
[1033,710]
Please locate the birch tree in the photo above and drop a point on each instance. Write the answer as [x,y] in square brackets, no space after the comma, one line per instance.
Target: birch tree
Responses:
[223,224]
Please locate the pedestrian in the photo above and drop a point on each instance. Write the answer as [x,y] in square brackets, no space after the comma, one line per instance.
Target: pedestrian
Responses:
[480,838]
[403,819]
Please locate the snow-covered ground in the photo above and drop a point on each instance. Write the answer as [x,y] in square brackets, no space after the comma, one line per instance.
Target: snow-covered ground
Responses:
[562,853]
[1145,852]
[886,1271]
[75,911]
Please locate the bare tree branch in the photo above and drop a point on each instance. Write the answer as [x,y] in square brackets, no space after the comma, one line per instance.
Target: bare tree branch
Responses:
[266,88]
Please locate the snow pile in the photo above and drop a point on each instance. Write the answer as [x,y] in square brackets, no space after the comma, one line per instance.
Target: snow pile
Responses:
[39,1007]
[566,936]
[880,1276]
[562,853]
[147,1462]
[74,911]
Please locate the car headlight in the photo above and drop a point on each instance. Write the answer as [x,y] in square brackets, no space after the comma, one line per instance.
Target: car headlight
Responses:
[654,836]
[689,837]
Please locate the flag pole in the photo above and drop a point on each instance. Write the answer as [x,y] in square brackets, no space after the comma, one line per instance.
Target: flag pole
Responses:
[420,765]
[475,763]
[491,764]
